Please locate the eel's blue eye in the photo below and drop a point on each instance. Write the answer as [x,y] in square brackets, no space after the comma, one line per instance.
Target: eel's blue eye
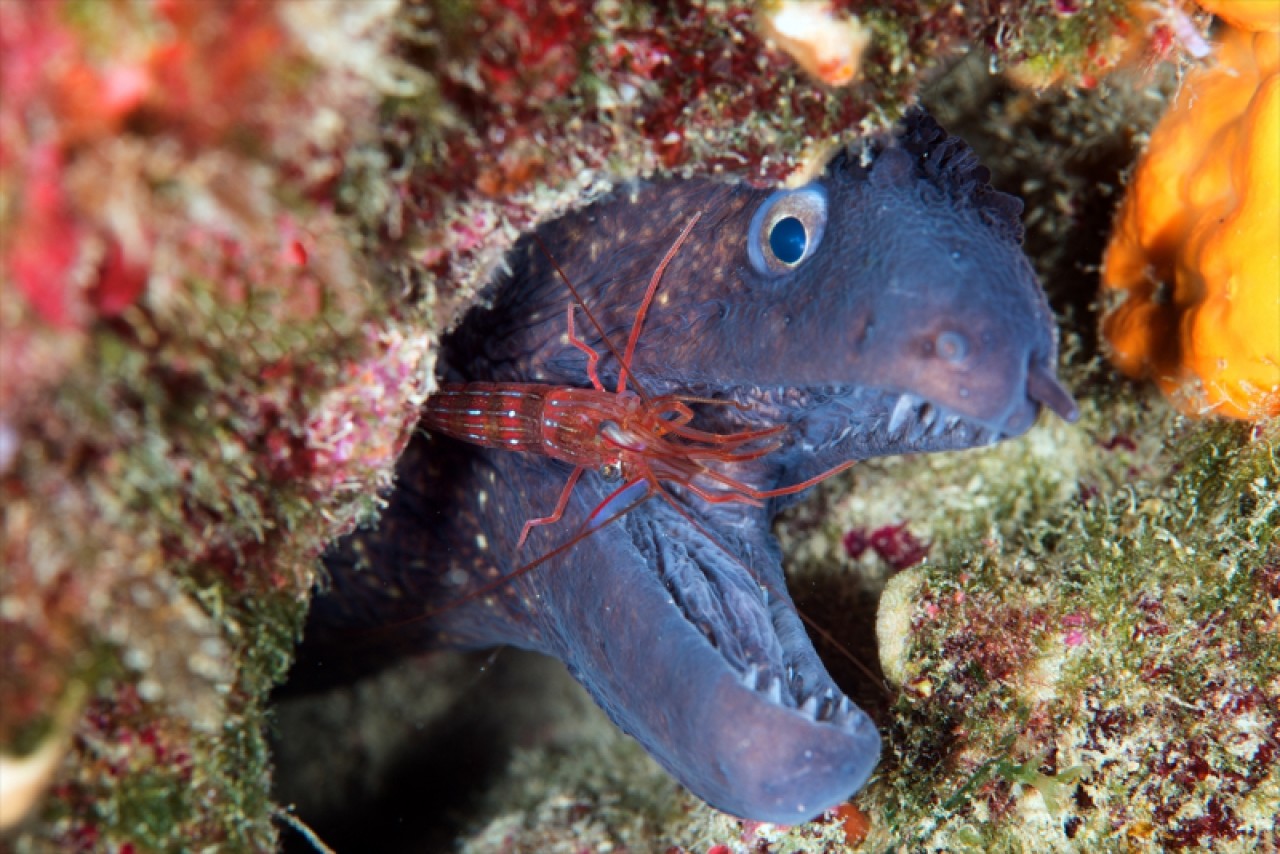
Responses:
[786,229]
[788,239]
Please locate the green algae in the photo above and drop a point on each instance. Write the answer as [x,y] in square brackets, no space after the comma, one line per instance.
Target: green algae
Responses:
[1176,670]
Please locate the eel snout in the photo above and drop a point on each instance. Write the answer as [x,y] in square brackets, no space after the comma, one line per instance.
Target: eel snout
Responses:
[926,419]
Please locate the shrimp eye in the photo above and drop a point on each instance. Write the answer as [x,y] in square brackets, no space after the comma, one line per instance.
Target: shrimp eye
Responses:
[611,470]
[787,229]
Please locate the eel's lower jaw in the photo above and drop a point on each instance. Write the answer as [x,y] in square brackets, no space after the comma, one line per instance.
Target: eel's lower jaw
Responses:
[778,763]
[770,741]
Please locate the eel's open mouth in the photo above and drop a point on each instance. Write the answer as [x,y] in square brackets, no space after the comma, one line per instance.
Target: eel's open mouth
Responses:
[750,621]
[688,638]
[693,647]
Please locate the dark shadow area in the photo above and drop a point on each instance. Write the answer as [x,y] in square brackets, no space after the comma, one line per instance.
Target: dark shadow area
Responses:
[846,613]
[401,762]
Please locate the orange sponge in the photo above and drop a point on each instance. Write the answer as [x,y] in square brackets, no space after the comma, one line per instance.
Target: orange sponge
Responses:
[1192,275]
[1247,14]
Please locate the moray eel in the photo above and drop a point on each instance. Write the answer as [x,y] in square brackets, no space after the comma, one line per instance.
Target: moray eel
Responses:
[885,308]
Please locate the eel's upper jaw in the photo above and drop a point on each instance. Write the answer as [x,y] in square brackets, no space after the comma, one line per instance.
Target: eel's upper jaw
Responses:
[914,423]
[715,676]
[835,423]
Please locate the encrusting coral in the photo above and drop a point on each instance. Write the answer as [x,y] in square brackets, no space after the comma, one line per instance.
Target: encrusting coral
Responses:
[1192,276]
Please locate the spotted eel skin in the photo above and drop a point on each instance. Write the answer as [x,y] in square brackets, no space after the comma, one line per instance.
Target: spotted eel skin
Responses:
[884,308]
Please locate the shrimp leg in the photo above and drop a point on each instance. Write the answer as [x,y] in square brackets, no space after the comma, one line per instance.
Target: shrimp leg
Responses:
[561,503]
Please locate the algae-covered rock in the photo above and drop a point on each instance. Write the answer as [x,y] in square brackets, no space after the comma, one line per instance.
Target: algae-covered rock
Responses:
[200,388]
[1108,666]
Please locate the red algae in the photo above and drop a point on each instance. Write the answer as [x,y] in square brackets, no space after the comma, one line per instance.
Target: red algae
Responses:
[894,544]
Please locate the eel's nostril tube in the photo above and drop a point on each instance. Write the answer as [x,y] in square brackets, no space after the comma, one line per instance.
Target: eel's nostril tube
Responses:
[1043,387]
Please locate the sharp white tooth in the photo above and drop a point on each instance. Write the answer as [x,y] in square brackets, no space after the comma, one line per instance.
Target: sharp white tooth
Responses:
[928,415]
[774,691]
[901,410]
[842,711]
[952,421]
[940,426]
[810,706]
[752,678]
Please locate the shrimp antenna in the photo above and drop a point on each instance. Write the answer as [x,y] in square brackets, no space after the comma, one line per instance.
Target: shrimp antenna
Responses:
[580,303]
[589,526]
[624,362]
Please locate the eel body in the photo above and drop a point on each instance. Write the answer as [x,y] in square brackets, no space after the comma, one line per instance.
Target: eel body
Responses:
[885,308]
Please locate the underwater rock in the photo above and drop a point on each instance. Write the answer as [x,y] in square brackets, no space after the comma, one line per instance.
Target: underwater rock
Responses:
[1116,671]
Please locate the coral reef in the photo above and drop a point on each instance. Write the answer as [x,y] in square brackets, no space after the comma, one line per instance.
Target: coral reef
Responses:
[1192,275]
[231,232]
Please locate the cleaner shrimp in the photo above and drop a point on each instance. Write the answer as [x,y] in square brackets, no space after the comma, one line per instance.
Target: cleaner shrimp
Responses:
[626,435]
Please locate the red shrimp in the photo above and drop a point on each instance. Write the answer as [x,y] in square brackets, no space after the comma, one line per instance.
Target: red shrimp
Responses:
[627,435]
[624,434]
